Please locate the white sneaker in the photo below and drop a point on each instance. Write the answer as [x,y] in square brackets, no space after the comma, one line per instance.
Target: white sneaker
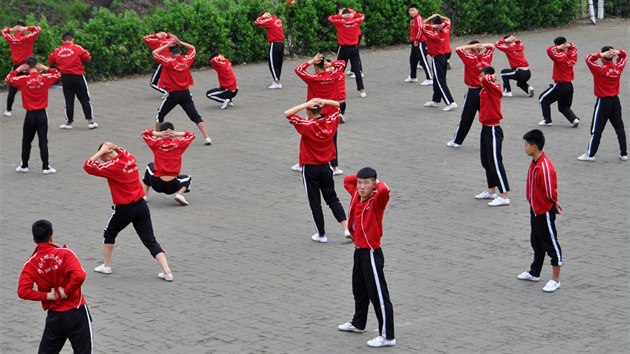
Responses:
[92,125]
[103,269]
[348,327]
[181,200]
[499,201]
[275,85]
[65,126]
[347,234]
[530,91]
[420,66]
[426,83]
[49,171]
[410,79]
[342,119]
[551,286]
[450,107]
[585,157]
[348,72]
[485,195]
[231,104]
[527,276]
[380,341]
[431,104]
[544,123]
[225,104]
[337,171]
[8,113]
[352,75]
[507,94]
[207,141]
[297,167]
[363,94]
[453,144]
[575,123]
[21,169]
[167,277]
[623,157]
[317,238]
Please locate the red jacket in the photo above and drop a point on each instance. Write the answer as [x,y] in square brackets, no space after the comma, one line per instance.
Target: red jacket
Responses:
[153,42]
[273,25]
[606,76]
[490,102]
[316,143]
[473,63]
[515,53]
[52,267]
[438,42]
[167,152]
[541,190]
[34,87]
[348,30]
[365,218]
[324,85]
[176,74]
[20,44]
[563,63]
[69,58]
[122,177]
[224,70]
[415,30]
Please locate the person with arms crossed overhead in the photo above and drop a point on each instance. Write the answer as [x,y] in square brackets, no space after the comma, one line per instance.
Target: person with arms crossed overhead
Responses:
[437,29]
[227,81]
[58,275]
[418,47]
[21,39]
[348,26]
[119,167]
[275,37]
[154,41]
[519,66]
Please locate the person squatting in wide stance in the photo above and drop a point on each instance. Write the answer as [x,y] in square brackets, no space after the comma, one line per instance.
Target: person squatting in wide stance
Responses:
[348,27]
[519,67]
[542,195]
[34,86]
[316,151]
[119,167]
[275,37]
[365,222]
[58,276]
[154,41]
[163,174]
[418,47]
[227,89]
[437,29]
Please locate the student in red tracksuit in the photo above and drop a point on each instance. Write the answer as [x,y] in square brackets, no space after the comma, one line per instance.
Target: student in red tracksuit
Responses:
[154,41]
[418,47]
[542,195]
[163,175]
[176,80]
[275,37]
[564,57]
[437,29]
[491,139]
[475,57]
[606,78]
[69,59]
[365,221]
[227,89]
[316,152]
[21,39]
[519,67]
[34,86]
[58,276]
[348,26]
[119,167]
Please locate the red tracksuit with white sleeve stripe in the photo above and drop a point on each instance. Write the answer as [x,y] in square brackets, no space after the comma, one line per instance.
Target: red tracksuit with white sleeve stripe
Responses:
[273,27]
[316,142]
[365,218]
[323,85]
[562,89]
[606,76]
[167,152]
[348,29]
[20,44]
[69,58]
[34,87]
[415,30]
[439,47]
[223,67]
[153,42]
[541,189]
[122,177]
[176,74]
[490,102]
[515,53]
[563,63]
[491,138]
[473,63]
[438,42]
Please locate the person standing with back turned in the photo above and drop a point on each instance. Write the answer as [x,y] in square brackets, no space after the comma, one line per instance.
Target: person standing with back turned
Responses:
[348,27]
[275,37]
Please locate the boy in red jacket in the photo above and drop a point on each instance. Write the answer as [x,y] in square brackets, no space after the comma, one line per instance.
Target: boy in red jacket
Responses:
[275,37]
[418,47]
[437,29]
[519,67]
[542,195]
[227,81]
[365,221]
[58,275]
[154,41]
[348,26]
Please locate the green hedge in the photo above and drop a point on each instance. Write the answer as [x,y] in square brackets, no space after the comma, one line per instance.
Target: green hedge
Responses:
[115,40]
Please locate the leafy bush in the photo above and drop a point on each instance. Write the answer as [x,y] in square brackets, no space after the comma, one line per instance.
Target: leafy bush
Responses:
[617,8]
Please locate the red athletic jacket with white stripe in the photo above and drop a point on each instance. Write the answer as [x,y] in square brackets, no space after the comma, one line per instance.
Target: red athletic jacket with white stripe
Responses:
[20,44]
[541,190]
[176,74]
[490,102]
[223,67]
[153,42]
[606,76]
[122,177]
[348,29]
[167,152]
[69,58]
[473,63]
[52,267]
[34,87]
[316,142]
[365,218]
[515,53]
[563,63]
[273,27]
[324,85]
[415,30]
[438,42]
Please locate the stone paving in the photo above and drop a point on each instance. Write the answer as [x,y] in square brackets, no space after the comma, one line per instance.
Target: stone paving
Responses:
[248,279]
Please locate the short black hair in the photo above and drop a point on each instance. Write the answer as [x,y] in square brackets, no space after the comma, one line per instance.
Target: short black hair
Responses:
[213,52]
[559,40]
[20,23]
[159,30]
[316,111]
[367,172]
[31,62]
[42,231]
[166,126]
[437,20]
[474,41]
[488,70]
[507,36]
[606,48]
[412,6]
[339,7]
[535,137]
[68,36]
[321,63]
[345,11]
[176,49]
